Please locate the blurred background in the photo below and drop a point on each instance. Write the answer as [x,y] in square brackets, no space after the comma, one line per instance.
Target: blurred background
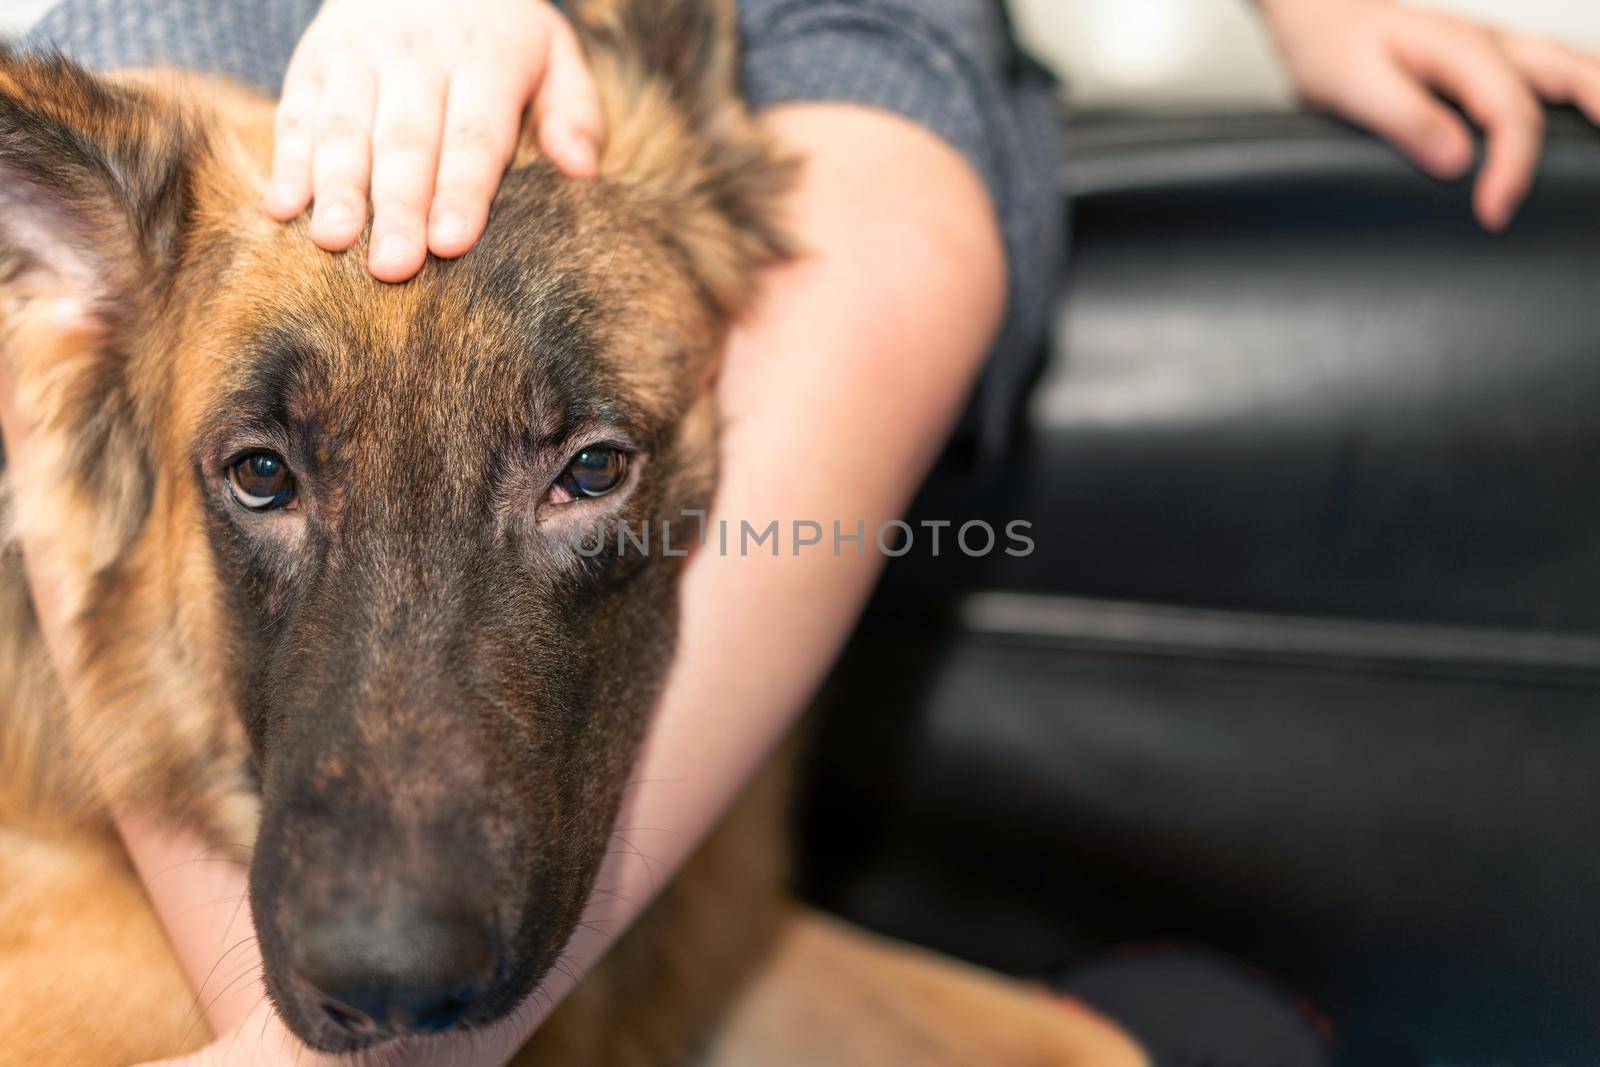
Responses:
[18,15]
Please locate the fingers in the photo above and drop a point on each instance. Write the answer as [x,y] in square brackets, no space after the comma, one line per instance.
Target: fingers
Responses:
[1558,73]
[342,163]
[424,136]
[567,107]
[1393,104]
[289,188]
[1469,65]
[405,158]
[261,1040]
[480,133]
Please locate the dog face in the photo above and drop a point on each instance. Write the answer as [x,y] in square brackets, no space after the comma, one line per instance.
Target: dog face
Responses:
[442,687]
[362,543]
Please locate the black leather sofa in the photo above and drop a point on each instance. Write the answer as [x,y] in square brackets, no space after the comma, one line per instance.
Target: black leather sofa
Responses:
[1306,665]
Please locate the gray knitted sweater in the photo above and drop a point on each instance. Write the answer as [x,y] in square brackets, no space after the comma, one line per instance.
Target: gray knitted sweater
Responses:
[949,65]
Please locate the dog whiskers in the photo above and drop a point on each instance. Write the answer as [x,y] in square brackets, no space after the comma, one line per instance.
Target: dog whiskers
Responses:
[249,974]
[200,992]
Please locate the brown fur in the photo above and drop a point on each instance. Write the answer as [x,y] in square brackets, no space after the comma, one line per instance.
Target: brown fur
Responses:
[146,302]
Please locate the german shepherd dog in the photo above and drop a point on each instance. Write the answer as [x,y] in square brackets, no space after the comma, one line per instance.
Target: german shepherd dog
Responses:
[332,599]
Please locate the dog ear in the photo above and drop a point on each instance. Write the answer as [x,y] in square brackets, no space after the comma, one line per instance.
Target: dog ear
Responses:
[677,127]
[108,194]
[95,188]
[95,182]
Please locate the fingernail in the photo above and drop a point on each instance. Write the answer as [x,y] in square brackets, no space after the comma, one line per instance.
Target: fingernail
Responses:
[581,151]
[395,248]
[450,227]
[281,192]
[335,214]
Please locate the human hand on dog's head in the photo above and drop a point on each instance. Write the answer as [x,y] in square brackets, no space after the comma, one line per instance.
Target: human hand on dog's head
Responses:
[1384,67]
[416,106]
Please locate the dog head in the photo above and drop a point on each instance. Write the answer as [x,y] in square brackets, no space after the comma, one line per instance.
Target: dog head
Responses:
[360,548]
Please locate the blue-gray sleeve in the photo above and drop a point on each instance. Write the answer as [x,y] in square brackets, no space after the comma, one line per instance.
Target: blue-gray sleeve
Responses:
[953,67]
[949,65]
[248,40]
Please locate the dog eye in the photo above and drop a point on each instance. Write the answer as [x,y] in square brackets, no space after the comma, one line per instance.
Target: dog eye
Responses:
[594,472]
[261,481]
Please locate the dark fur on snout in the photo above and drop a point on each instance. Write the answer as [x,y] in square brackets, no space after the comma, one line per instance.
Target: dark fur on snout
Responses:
[440,695]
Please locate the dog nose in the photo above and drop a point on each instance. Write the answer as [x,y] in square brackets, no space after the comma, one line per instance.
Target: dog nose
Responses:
[375,977]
